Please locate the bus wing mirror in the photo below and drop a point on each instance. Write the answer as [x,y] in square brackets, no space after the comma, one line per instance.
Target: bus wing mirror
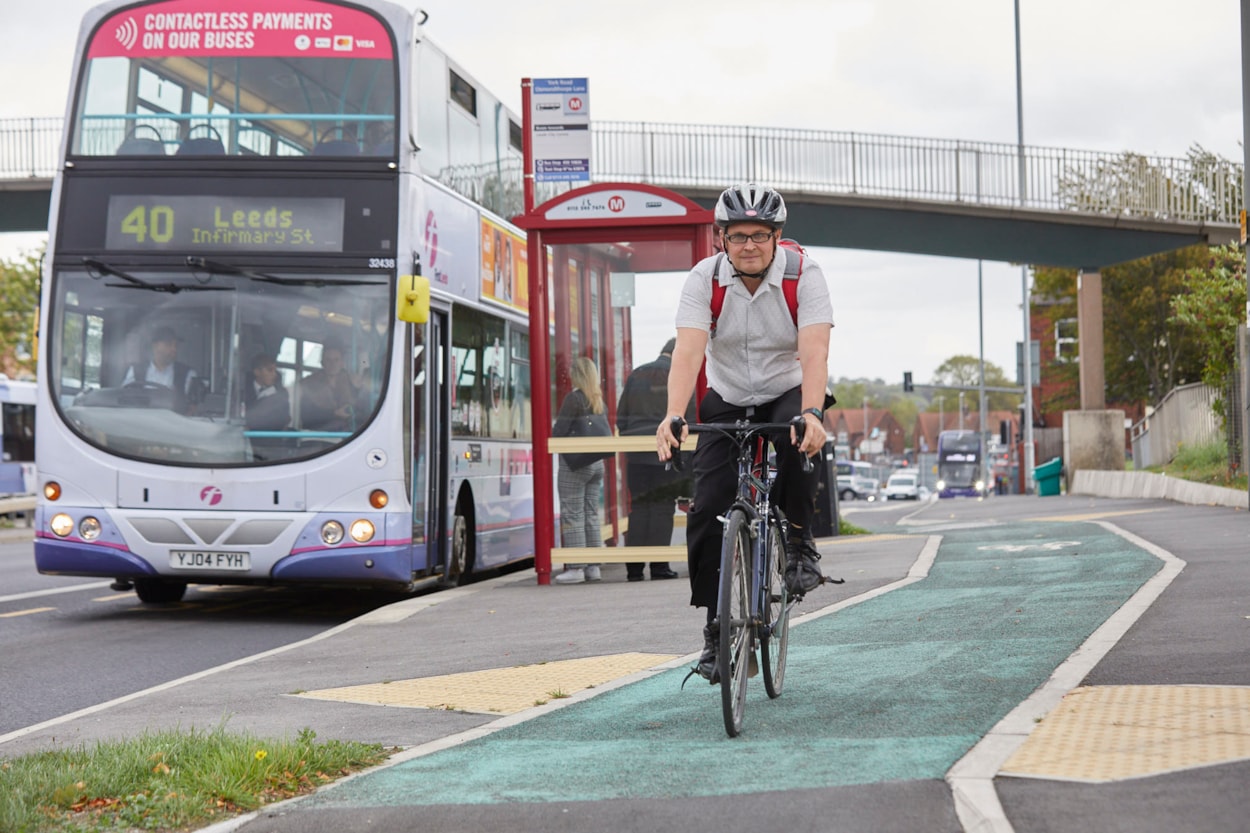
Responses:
[413,299]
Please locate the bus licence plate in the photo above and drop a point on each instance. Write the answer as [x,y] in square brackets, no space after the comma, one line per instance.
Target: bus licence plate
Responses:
[205,560]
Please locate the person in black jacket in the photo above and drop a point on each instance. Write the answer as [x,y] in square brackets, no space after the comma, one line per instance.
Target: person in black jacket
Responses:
[652,488]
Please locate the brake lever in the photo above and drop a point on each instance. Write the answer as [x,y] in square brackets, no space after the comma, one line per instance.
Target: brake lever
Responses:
[675,463]
[800,427]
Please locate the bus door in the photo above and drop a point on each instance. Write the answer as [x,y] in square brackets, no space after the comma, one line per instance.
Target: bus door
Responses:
[434,408]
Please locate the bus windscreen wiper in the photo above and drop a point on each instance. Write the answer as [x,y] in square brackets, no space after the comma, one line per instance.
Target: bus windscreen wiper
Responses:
[194,262]
[97,268]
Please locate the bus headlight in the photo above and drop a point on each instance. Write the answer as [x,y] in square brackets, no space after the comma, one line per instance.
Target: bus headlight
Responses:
[941,485]
[362,531]
[980,485]
[331,532]
[61,524]
[89,528]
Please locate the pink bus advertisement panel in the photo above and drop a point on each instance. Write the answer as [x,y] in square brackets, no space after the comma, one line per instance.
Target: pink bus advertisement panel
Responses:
[277,78]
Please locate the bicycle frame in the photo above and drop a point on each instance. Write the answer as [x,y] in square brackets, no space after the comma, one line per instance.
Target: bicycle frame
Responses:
[755,482]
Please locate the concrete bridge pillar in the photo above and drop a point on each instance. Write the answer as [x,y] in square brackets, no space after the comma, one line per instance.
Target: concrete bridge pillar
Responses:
[1089,333]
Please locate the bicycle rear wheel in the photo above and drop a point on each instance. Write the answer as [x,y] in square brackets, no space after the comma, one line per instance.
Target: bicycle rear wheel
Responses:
[775,633]
[734,611]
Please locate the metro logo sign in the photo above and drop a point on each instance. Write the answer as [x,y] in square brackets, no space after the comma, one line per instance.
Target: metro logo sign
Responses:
[620,203]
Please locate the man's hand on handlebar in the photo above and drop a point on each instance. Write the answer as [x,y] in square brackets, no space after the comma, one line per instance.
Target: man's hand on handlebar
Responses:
[813,436]
[671,433]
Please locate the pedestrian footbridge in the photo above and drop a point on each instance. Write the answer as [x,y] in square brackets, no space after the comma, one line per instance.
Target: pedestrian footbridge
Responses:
[948,197]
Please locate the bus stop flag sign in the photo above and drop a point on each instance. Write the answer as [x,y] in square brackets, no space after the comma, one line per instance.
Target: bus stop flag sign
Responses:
[560,122]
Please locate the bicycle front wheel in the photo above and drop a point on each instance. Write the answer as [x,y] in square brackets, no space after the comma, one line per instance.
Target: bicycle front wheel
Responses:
[736,629]
[775,632]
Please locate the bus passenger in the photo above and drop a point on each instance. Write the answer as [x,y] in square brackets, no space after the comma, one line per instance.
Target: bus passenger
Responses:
[164,370]
[763,366]
[331,399]
[266,403]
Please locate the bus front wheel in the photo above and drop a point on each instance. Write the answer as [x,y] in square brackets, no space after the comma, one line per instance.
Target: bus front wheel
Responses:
[461,567]
[154,591]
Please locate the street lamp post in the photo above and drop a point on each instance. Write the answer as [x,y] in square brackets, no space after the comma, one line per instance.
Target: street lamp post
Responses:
[1027,363]
[981,383]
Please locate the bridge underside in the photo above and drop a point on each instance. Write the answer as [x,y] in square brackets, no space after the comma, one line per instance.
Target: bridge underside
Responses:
[1007,234]
[24,205]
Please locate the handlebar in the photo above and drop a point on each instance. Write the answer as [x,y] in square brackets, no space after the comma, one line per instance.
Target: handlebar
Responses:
[740,432]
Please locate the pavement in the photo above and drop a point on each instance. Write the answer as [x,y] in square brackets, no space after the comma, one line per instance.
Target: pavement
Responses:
[1019,663]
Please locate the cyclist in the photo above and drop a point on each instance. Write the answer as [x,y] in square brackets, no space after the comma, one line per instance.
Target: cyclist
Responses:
[761,366]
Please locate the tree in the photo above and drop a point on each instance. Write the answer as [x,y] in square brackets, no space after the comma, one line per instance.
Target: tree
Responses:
[965,371]
[19,305]
[1147,351]
[1212,304]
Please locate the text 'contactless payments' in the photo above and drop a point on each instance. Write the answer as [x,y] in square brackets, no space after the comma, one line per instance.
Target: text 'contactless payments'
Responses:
[224,223]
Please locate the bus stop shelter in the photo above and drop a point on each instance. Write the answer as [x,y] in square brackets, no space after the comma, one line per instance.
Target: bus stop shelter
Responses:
[606,263]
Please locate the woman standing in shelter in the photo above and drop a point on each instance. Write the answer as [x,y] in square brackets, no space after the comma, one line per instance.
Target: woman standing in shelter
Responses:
[579,479]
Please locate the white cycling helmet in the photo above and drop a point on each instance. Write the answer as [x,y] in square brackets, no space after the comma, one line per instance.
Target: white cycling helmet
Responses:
[750,204]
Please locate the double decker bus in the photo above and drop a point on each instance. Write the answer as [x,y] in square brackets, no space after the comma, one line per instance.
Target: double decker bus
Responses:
[17,436]
[961,471]
[226,392]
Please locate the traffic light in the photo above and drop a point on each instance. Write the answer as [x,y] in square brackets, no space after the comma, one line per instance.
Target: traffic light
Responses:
[907,385]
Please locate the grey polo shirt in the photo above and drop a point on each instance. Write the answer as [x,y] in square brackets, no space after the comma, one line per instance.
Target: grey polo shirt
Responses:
[754,356]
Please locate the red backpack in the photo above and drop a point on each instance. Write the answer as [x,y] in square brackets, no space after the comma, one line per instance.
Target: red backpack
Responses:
[789,287]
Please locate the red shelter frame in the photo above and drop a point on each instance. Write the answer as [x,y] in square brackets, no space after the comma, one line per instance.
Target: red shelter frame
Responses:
[657,229]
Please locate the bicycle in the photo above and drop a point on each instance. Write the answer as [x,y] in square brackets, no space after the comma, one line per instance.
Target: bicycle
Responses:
[753,605]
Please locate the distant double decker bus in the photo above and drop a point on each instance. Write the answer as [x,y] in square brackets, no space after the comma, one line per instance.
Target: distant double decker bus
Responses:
[226,394]
[961,469]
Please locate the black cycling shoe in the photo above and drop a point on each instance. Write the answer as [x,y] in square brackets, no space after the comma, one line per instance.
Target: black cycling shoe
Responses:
[706,666]
[802,571]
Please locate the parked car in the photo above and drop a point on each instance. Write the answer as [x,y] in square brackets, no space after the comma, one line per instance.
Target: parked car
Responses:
[855,487]
[903,486]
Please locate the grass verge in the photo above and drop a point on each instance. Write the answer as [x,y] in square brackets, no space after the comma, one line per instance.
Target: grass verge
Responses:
[846,528]
[1203,464]
[168,780]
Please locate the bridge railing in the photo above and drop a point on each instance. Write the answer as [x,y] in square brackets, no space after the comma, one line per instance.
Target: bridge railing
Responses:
[1199,188]
[30,147]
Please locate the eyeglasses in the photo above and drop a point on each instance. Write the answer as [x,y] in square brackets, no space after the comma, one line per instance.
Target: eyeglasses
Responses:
[758,237]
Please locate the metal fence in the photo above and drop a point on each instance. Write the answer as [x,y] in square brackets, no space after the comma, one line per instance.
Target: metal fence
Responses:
[1201,187]
[1184,417]
[29,147]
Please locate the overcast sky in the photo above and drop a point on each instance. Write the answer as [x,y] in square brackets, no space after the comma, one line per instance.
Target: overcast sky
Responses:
[1151,76]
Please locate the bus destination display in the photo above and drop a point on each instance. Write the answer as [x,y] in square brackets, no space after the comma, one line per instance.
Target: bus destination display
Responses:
[224,223]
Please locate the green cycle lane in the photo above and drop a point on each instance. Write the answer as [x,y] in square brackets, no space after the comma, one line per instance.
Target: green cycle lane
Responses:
[898,687]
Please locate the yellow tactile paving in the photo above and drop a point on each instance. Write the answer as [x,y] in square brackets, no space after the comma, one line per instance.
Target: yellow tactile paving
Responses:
[1092,516]
[1108,733]
[498,690]
[841,540]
